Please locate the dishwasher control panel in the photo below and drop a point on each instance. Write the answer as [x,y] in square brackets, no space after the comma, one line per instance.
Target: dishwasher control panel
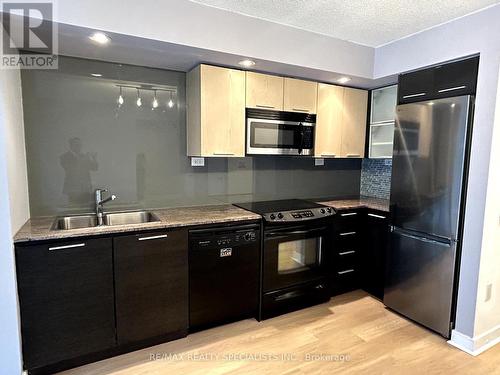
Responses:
[224,238]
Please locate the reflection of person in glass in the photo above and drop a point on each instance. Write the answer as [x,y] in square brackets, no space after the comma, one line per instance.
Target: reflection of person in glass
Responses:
[77,167]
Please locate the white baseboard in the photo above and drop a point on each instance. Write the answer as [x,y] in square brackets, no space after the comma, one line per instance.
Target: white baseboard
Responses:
[475,345]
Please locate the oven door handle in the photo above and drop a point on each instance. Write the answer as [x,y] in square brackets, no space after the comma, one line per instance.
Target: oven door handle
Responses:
[295,232]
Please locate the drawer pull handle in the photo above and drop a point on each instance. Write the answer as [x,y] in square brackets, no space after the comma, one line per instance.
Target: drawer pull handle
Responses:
[377,216]
[414,95]
[347,252]
[349,214]
[67,246]
[452,89]
[299,110]
[344,272]
[326,155]
[347,233]
[223,153]
[153,237]
[264,106]
[353,155]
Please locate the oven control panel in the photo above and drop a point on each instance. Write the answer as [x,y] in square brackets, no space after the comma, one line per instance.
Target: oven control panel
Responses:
[300,215]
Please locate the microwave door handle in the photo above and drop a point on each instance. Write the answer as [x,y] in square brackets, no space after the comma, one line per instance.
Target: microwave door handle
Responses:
[301,144]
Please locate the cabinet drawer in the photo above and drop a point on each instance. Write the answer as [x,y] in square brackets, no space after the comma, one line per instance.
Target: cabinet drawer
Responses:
[347,241]
[345,280]
[346,260]
[348,221]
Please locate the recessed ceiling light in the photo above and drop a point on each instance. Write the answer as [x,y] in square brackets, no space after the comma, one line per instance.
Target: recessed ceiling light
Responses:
[343,80]
[100,38]
[247,63]
[96,74]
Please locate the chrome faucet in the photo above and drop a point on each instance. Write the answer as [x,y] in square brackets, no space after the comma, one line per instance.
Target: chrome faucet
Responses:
[99,202]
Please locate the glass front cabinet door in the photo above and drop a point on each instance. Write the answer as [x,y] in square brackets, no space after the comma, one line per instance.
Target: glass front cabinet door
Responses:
[382,119]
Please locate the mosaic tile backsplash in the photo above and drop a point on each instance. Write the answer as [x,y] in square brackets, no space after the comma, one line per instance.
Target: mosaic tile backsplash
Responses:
[376,178]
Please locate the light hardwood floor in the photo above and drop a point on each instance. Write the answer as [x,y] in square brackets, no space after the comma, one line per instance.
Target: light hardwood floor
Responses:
[370,338]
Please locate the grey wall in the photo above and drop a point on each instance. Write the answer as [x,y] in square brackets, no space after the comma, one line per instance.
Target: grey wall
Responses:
[376,178]
[140,153]
[13,213]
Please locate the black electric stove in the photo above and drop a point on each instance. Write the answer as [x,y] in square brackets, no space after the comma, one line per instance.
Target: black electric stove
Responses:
[288,210]
[295,254]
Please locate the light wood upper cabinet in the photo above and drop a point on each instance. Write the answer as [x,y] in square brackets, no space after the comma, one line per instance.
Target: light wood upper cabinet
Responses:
[340,122]
[354,123]
[215,112]
[264,91]
[300,95]
[328,139]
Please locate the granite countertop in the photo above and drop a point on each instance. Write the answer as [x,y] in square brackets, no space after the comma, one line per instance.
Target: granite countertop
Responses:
[38,229]
[361,202]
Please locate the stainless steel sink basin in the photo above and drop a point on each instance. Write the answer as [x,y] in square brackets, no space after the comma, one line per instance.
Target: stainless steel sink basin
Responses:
[124,218]
[117,218]
[75,222]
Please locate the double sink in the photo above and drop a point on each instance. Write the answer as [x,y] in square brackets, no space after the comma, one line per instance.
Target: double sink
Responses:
[110,219]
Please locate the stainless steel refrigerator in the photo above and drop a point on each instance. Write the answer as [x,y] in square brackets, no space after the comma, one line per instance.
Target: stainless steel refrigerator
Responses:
[428,181]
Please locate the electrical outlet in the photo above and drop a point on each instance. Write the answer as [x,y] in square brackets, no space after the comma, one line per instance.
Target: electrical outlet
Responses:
[197,162]
[488,292]
[319,161]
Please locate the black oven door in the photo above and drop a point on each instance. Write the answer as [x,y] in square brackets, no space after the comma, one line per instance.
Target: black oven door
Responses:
[295,254]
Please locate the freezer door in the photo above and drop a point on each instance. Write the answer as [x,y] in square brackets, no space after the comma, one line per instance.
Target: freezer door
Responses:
[419,279]
[428,165]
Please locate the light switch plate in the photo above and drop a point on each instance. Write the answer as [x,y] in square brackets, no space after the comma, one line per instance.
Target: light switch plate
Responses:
[197,162]
[319,161]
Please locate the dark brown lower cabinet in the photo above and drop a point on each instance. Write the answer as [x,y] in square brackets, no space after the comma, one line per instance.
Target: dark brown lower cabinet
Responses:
[376,240]
[347,249]
[66,300]
[151,285]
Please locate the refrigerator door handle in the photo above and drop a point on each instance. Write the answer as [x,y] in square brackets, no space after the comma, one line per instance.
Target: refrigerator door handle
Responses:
[446,242]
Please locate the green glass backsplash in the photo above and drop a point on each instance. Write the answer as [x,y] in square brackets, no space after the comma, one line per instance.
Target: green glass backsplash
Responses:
[78,138]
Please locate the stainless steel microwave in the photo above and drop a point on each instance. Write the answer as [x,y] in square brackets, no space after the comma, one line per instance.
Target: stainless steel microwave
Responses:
[279,133]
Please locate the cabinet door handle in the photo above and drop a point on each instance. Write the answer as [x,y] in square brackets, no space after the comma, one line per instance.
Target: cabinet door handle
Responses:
[414,95]
[344,272]
[452,89]
[349,214]
[347,233]
[223,153]
[299,110]
[264,106]
[153,237]
[353,155]
[347,252]
[67,246]
[377,216]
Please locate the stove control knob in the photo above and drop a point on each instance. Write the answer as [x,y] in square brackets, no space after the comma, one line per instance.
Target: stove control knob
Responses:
[322,211]
[247,236]
[329,210]
[280,216]
[272,216]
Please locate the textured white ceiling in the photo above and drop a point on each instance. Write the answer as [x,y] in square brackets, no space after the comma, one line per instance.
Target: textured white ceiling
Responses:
[369,22]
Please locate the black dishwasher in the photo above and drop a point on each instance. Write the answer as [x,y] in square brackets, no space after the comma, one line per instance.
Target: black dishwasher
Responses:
[224,274]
